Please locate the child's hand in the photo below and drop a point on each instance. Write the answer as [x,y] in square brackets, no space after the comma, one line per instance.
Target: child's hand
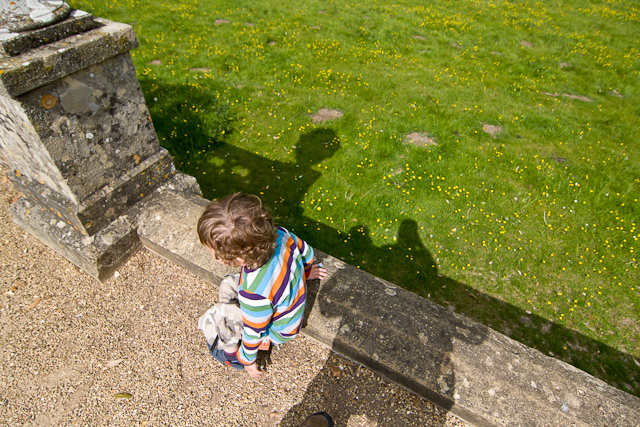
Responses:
[317,272]
[253,371]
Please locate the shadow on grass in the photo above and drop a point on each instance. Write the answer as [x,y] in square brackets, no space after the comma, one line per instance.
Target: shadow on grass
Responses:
[223,168]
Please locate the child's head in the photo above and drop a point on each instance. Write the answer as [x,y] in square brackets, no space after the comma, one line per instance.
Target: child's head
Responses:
[238,230]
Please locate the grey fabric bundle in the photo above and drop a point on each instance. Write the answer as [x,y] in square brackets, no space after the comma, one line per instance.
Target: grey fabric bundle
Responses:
[223,320]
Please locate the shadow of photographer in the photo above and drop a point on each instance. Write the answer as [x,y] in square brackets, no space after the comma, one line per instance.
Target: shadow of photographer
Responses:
[222,168]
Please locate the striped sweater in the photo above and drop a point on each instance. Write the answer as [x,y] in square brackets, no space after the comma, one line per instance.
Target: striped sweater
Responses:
[272,297]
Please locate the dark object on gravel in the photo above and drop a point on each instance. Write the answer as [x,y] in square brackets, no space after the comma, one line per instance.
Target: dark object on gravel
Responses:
[319,419]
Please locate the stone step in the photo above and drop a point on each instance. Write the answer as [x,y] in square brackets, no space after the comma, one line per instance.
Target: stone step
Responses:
[472,371]
[13,44]
[52,61]
[101,254]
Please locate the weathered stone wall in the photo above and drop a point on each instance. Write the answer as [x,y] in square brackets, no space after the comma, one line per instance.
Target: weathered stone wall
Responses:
[94,123]
[95,126]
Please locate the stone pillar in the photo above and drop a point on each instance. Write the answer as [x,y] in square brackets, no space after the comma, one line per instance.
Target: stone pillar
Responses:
[75,130]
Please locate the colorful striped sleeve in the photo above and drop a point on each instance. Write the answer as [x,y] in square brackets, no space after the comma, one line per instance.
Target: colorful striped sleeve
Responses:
[257,312]
[306,251]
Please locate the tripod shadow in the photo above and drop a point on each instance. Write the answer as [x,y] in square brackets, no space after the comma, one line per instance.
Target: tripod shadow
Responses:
[222,168]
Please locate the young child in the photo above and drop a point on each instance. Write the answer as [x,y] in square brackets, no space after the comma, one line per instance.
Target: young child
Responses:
[239,232]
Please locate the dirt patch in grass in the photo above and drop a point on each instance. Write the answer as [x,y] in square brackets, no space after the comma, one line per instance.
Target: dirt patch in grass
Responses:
[578,97]
[419,139]
[492,130]
[560,160]
[566,95]
[325,114]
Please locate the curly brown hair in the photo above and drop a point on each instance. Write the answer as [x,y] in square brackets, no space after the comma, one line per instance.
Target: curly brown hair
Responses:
[238,226]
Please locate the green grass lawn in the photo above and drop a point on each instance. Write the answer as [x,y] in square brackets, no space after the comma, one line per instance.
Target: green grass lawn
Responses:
[530,229]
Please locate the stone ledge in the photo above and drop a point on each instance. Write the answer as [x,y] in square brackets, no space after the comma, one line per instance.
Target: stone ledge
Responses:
[468,369]
[119,195]
[45,64]
[125,190]
[19,43]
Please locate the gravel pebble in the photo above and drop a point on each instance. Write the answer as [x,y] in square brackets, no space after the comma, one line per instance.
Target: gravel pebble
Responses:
[126,352]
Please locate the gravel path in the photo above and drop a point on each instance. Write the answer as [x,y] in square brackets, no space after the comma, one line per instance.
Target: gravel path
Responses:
[127,353]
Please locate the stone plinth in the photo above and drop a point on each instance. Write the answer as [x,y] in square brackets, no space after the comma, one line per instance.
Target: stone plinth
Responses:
[75,129]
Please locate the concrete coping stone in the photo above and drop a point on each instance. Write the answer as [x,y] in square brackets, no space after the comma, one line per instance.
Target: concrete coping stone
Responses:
[474,372]
[22,73]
